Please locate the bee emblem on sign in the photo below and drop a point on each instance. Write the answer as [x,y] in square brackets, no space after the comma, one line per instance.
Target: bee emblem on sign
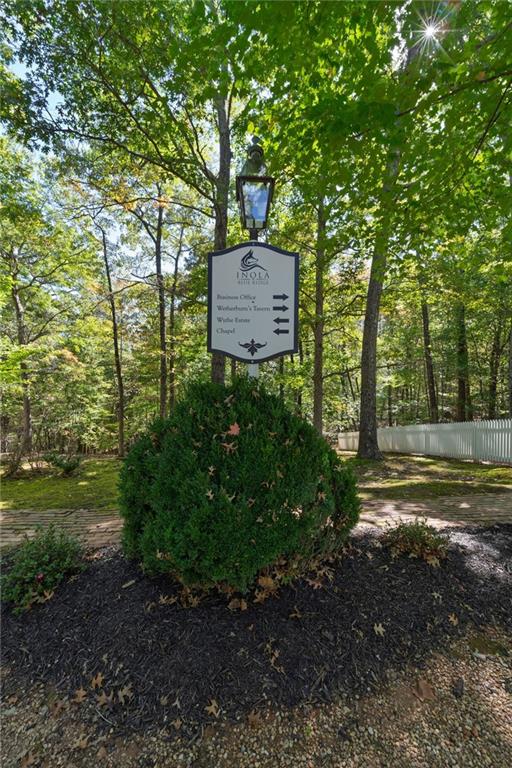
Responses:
[252,346]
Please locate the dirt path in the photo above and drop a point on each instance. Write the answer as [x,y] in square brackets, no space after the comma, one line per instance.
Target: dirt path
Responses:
[98,529]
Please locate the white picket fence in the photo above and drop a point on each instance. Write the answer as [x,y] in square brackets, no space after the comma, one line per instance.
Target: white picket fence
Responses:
[479,440]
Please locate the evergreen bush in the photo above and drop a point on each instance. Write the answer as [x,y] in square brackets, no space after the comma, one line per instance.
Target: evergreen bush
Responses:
[230,484]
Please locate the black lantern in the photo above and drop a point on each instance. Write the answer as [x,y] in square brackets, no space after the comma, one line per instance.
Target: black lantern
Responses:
[254,191]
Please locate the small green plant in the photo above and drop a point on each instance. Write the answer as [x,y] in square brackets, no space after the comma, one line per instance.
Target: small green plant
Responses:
[417,539]
[67,464]
[234,483]
[38,565]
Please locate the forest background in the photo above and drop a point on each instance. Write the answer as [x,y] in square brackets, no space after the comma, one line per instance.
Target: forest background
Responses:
[387,128]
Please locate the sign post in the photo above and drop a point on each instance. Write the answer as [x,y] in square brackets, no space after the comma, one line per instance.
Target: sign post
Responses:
[253,303]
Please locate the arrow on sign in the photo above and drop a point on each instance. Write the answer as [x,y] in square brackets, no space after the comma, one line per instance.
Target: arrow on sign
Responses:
[281,330]
[281,296]
[280,309]
[281,320]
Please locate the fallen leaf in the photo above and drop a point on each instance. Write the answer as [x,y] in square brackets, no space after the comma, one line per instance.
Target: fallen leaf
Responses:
[104,700]
[128,584]
[80,696]
[237,604]
[261,595]
[229,447]
[424,691]
[57,706]
[267,582]
[433,561]
[167,599]
[315,583]
[213,708]
[273,661]
[177,723]
[211,470]
[125,693]
[210,494]
[379,630]
[97,682]
[27,760]
[234,429]
[164,700]
[254,719]
[102,753]
[296,614]
[437,596]
[452,618]
[82,742]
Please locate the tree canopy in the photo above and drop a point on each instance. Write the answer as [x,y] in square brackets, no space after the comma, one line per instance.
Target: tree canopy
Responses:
[387,128]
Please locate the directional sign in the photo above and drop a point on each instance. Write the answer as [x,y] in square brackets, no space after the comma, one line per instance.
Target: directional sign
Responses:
[253,302]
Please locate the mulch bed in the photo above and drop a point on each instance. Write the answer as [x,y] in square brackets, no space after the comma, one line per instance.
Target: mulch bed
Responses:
[306,644]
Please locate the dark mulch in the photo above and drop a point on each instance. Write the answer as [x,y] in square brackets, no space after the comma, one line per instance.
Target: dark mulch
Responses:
[178,659]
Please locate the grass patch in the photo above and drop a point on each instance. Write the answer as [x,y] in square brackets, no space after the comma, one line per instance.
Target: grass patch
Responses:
[94,486]
[416,489]
[423,477]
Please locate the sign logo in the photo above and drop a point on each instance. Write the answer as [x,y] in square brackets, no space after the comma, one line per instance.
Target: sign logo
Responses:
[250,262]
[252,346]
[251,272]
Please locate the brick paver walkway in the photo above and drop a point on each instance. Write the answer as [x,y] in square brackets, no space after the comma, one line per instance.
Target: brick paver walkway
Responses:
[476,509]
[93,527]
[98,529]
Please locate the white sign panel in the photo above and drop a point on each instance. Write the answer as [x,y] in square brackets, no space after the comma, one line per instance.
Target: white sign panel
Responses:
[253,302]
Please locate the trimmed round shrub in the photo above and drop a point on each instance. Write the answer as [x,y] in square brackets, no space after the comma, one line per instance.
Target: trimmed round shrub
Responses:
[230,484]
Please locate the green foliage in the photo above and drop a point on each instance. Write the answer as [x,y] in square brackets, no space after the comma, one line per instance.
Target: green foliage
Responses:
[68,464]
[38,566]
[417,539]
[229,484]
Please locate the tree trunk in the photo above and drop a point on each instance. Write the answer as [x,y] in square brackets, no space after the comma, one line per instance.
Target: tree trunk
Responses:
[161,310]
[281,375]
[368,445]
[494,367]
[172,325]
[25,445]
[390,405]
[117,353]
[429,365]
[510,372]
[318,328]
[463,411]
[299,392]
[221,208]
